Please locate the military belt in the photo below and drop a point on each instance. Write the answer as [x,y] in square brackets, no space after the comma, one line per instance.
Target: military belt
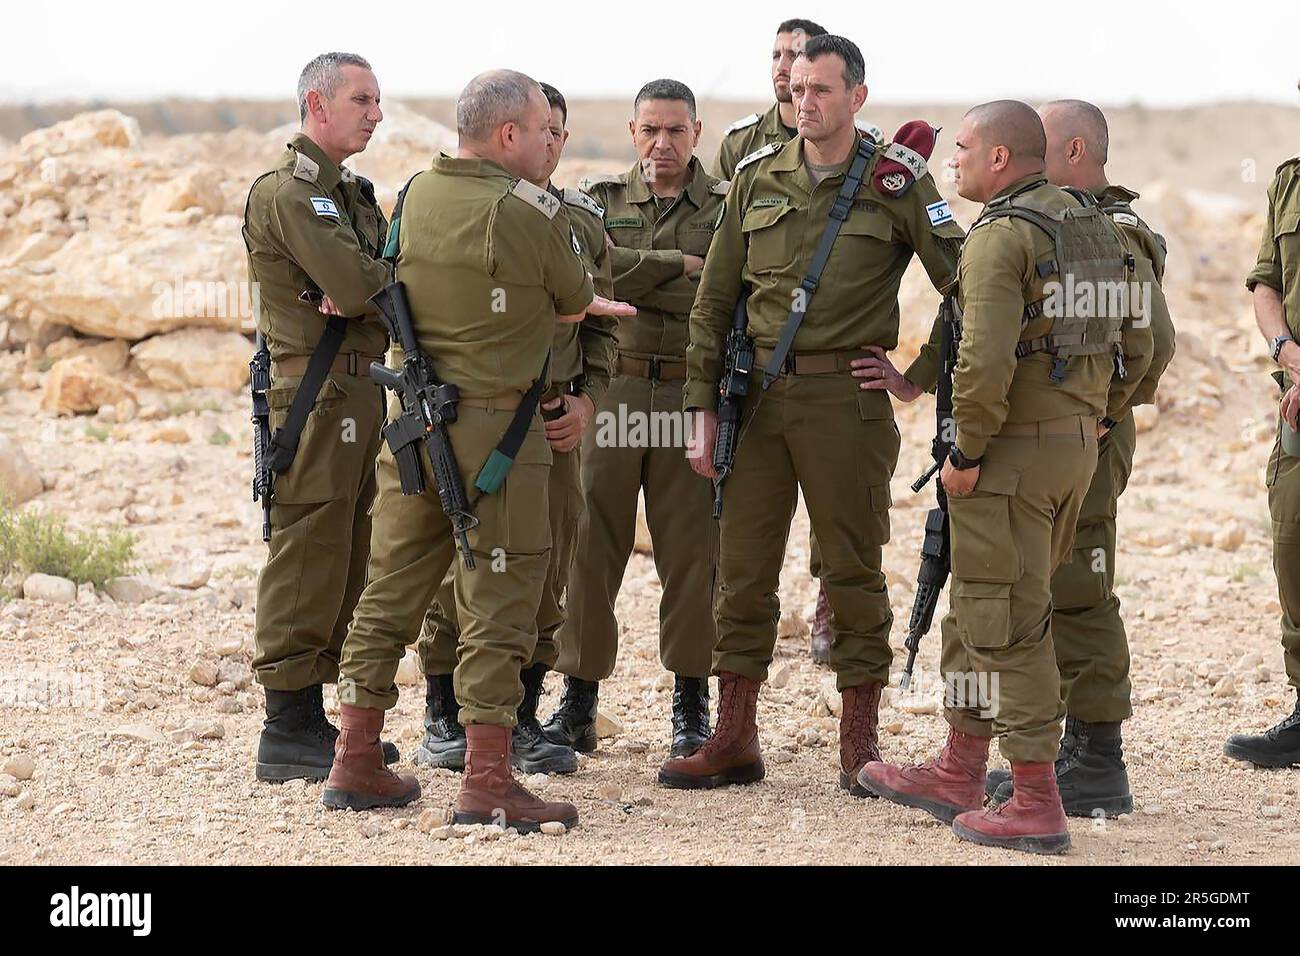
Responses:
[506,402]
[811,363]
[654,368]
[1069,425]
[349,363]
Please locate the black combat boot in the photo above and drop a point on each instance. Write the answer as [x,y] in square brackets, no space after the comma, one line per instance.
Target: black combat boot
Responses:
[690,715]
[295,743]
[530,751]
[443,744]
[318,704]
[574,722]
[1090,775]
[1279,746]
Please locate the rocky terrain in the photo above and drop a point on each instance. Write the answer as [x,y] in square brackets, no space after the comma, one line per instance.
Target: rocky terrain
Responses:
[128,716]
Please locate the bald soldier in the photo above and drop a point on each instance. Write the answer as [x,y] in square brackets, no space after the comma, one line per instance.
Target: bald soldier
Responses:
[807,426]
[1274,284]
[580,363]
[314,232]
[1032,379]
[660,217]
[746,136]
[489,266]
[1087,629]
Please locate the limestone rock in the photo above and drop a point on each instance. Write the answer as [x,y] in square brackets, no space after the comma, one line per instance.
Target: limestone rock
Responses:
[19,479]
[189,575]
[132,589]
[47,587]
[607,726]
[199,187]
[79,384]
[1145,417]
[21,767]
[408,671]
[195,358]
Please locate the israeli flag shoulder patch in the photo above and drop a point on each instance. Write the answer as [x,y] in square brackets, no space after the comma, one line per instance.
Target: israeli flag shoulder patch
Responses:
[324,206]
[939,212]
[1125,219]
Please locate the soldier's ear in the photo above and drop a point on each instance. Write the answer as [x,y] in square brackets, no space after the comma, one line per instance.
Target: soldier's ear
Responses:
[698,126]
[859,97]
[1077,149]
[316,106]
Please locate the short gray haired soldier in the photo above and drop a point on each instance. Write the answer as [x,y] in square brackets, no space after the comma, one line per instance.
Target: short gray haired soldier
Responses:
[314,233]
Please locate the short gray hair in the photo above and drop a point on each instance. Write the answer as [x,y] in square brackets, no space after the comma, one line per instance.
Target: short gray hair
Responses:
[322,75]
[491,100]
[666,89]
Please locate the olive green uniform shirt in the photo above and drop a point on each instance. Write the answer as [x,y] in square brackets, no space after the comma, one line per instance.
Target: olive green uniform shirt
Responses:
[1278,261]
[997,280]
[646,261]
[309,225]
[753,132]
[488,261]
[773,221]
[586,348]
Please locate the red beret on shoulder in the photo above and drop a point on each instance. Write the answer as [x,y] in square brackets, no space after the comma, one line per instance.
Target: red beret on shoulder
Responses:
[904,160]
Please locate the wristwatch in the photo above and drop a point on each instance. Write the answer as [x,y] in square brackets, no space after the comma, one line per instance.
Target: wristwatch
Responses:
[960,461]
[1107,423]
[1278,342]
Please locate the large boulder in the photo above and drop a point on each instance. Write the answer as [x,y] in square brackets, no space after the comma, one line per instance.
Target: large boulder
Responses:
[19,479]
[195,358]
[195,188]
[80,384]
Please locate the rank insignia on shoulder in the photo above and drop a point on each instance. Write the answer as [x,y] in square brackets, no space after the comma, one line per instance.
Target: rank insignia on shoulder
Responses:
[324,206]
[903,161]
[305,168]
[939,212]
[1125,219]
[539,199]
[720,187]
[743,123]
[576,197]
[758,154]
[871,130]
[586,182]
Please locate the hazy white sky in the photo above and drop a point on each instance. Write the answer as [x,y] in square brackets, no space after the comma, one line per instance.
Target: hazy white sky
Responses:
[1112,52]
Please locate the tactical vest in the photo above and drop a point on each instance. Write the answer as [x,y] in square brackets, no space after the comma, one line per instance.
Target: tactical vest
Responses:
[1087,251]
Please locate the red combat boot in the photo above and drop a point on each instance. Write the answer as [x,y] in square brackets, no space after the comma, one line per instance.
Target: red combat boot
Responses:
[358,779]
[952,784]
[1033,820]
[732,754]
[489,792]
[859,736]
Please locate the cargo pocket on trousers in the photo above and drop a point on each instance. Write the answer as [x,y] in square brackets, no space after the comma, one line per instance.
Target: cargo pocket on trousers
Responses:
[314,476]
[983,547]
[983,610]
[1084,581]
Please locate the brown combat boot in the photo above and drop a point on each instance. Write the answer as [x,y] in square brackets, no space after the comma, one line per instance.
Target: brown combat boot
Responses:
[819,645]
[732,754]
[489,792]
[859,737]
[944,788]
[358,779]
[1033,820]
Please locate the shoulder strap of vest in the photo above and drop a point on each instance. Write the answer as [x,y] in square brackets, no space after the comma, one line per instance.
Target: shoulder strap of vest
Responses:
[394,227]
[840,209]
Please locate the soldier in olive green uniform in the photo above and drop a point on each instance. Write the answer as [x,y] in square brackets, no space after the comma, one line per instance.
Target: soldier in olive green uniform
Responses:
[313,229]
[580,360]
[488,263]
[742,138]
[660,231]
[813,430]
[1087,630]
[1026,404]
[1275,285]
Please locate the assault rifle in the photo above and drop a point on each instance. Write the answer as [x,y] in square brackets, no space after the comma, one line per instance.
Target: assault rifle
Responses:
[737,366]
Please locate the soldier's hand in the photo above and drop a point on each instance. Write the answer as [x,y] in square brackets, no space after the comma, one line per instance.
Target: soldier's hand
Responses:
[565,432]
[879,373]
[1290,409]
[328,307]
[692,264]
[1289,359]
[959,483]
[603,306]
[699,449]
[1101,430]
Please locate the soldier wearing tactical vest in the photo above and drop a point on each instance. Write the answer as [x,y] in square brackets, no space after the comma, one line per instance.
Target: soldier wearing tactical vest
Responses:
[1087,630]
[1275,285]
[489,266]
[1035,372]
[744,137]
[806,425]
[660,217]
[580,361]
[314,235]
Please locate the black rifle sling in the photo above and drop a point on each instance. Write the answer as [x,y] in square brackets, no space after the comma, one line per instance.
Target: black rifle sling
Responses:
[284,443]
[839,213]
